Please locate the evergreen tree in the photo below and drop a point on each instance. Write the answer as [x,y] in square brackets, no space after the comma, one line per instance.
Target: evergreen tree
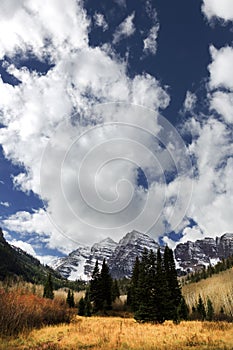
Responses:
[101,288]
[182,310]
[95,289]
[70,298]
[88,307]
[81,307]
[132,295]
[210,310]
[106,286]
[201,309]
[172,284]
[154,293]
[115,290]
[48,288]
[162,293]
[143,295]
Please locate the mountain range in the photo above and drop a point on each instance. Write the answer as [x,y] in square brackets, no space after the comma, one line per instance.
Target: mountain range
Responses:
[120,257]
[79,264]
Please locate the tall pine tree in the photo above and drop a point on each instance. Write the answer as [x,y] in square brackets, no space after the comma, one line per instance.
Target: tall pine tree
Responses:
[132,295]
[95,289]
[106,286]
[48,288]
[101,288]
[174,291]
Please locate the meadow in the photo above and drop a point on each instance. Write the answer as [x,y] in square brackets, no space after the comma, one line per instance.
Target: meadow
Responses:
[114,333]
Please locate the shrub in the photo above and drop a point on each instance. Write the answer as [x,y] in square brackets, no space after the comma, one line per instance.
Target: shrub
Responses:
[20,312]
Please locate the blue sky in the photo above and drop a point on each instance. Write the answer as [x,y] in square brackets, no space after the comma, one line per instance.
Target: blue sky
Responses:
[74,75]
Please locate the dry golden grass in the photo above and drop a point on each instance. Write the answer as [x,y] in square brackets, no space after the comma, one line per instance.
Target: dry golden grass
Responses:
[219,288]
[125,334]
[62,295]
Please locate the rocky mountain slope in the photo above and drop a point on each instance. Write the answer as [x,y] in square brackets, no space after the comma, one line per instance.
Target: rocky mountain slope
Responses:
[131,245]
[121,256]
[193,255]
[80,263]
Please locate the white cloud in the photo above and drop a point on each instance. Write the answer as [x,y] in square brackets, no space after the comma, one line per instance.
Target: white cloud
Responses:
[190,101]
[40,135]
[212,151]
[125,29]
[222,102]
[151,11]
[34,113]
[27,247]
[5,204]
[189,234]
[222,9]
[48,21]
[100,21]
[150,43]
[212,188]
[221,68]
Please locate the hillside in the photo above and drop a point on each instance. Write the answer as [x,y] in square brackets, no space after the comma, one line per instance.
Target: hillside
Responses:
[15,263]
[219,288]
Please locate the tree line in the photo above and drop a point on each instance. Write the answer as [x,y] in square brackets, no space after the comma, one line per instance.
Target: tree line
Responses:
[153,292]
[208,271]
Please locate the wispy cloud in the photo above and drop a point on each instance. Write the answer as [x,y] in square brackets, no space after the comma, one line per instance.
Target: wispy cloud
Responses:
[5,204]
[150,42]
[100,21]
[125,29]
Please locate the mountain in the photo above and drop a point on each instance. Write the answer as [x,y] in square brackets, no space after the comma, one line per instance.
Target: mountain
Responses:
[120,256]
[131,245]
[80,263]
[14,262]
[194,255]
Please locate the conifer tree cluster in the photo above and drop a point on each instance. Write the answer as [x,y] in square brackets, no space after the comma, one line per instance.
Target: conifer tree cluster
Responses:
[203,312]
[103,290]
[70,298]
[154,294]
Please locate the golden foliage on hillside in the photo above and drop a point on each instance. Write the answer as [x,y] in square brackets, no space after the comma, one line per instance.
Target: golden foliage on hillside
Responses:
[219,288]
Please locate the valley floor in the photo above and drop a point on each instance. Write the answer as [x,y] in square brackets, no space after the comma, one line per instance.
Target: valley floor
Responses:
[114,333]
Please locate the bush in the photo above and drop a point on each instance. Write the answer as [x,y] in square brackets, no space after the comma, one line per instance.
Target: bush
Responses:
[20,312]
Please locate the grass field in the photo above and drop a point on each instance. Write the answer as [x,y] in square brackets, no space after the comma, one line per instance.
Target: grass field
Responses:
[112,333]
[219,288]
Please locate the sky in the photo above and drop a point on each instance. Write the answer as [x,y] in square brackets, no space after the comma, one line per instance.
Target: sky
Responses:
[114,116]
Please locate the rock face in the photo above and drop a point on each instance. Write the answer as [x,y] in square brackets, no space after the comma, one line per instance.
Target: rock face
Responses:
[194,255]
[122,261]
[80,263]
[121,256]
